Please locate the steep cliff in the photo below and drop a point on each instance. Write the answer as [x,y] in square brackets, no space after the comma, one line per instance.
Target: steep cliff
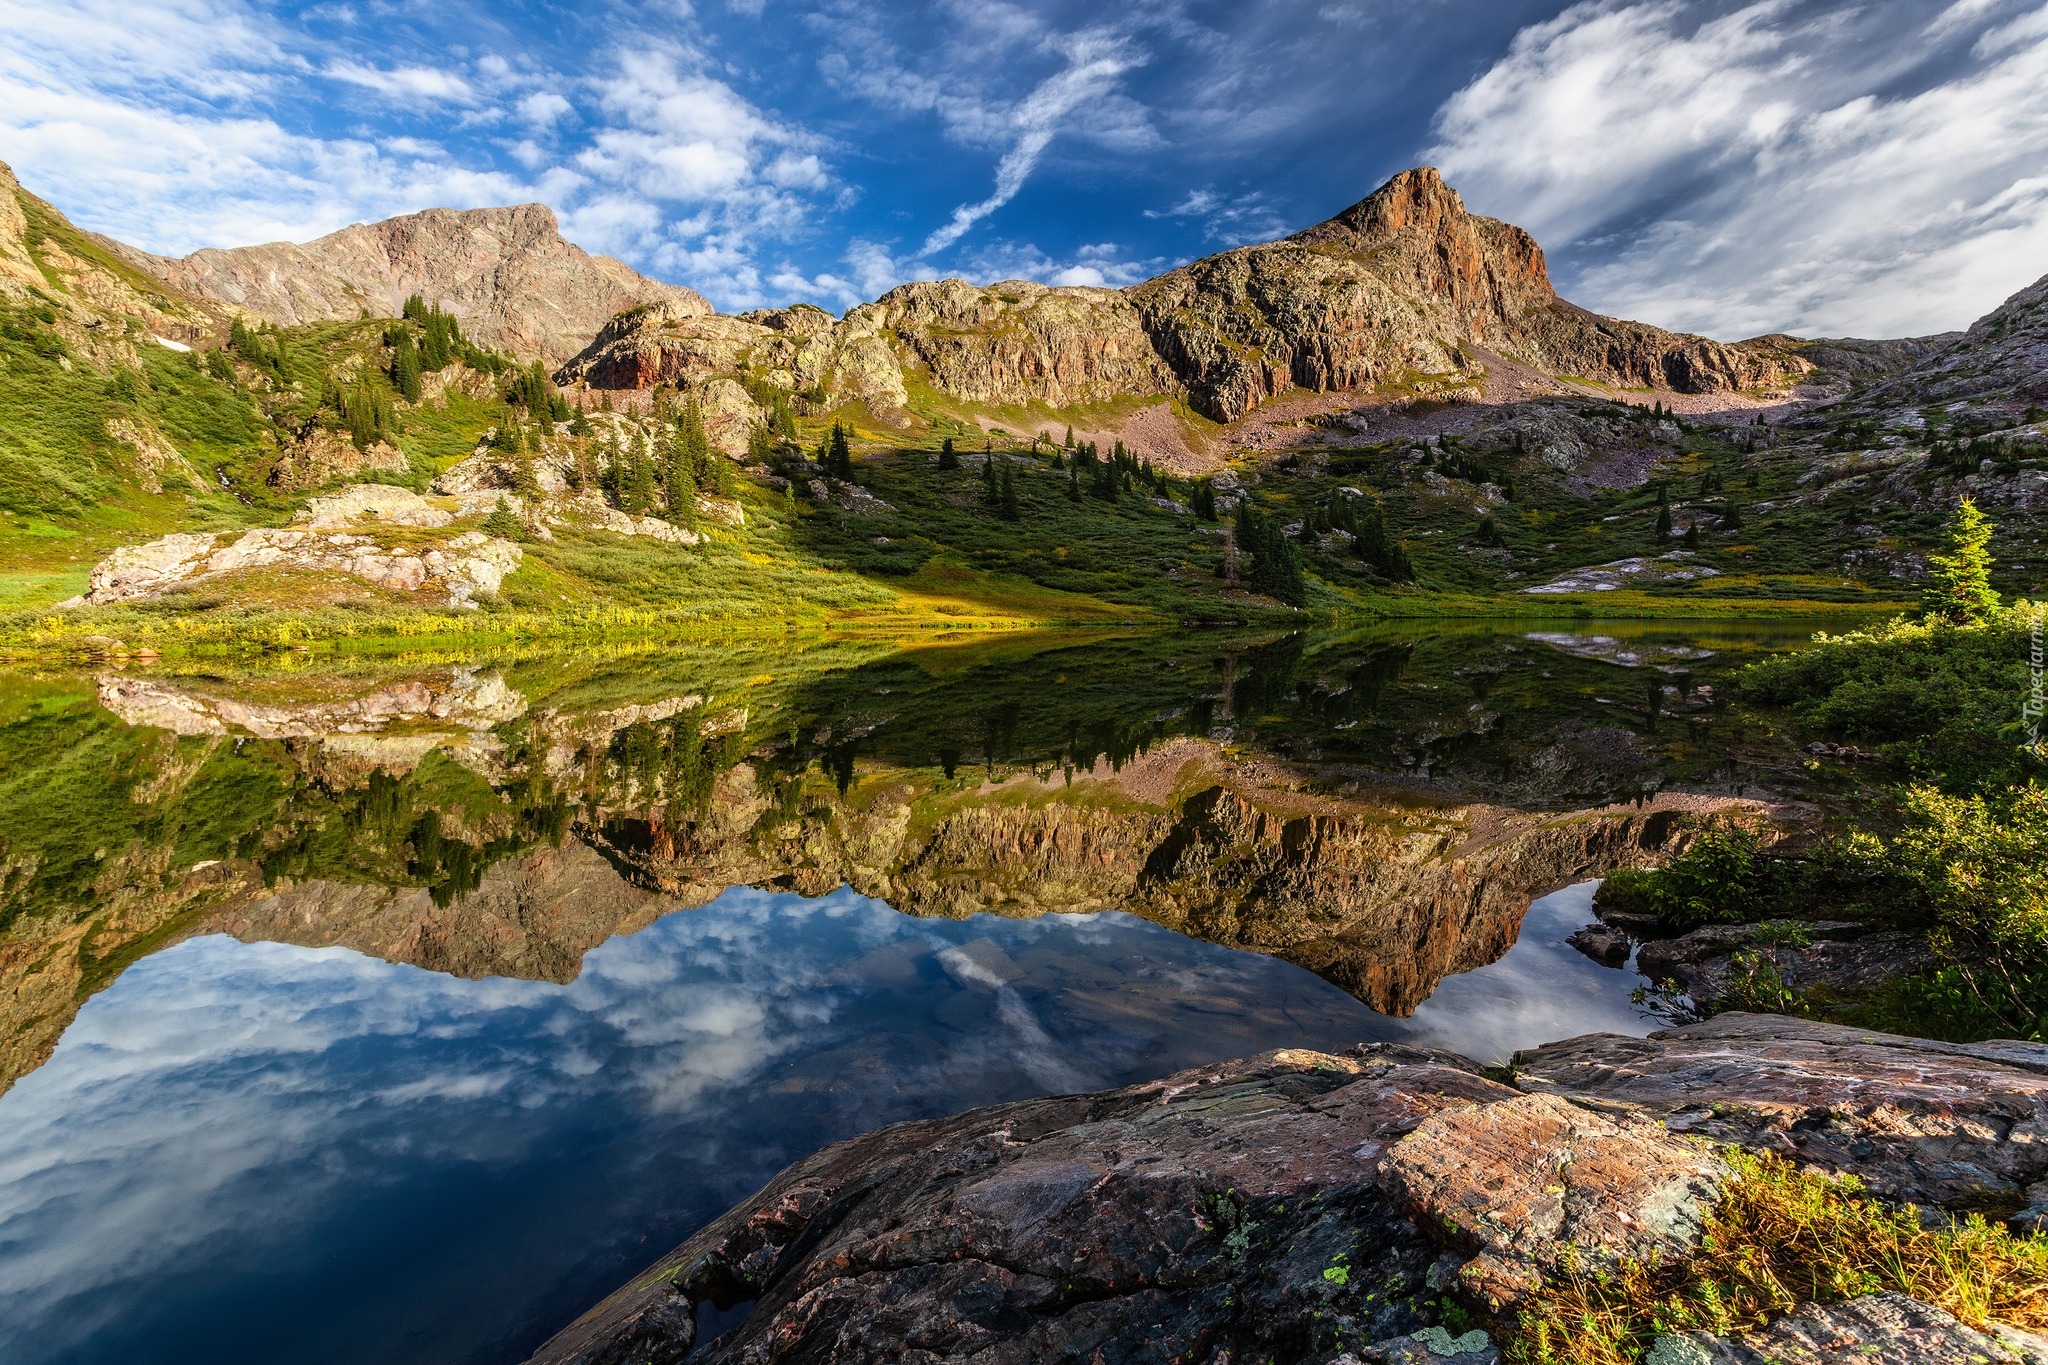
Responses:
[2002,357]
[507,273]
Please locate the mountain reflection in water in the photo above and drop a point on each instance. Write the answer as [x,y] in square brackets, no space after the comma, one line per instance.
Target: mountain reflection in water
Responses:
[254,1151]
[405,1009]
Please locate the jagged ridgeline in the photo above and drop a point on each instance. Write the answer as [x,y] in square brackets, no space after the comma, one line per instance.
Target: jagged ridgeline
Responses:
[1391,406]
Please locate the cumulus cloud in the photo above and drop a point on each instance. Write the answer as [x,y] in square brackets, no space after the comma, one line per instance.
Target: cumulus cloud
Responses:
[1771,168]
[542,108]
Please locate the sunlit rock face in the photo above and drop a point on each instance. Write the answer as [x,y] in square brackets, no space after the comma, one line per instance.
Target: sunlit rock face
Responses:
[1403,285]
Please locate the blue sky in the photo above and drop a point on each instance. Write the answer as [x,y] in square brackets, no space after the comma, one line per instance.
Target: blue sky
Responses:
[1870,169]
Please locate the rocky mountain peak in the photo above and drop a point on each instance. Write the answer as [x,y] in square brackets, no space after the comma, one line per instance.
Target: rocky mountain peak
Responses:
[517,284]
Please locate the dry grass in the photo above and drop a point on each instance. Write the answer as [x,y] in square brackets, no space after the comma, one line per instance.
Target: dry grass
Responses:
[1781,1237]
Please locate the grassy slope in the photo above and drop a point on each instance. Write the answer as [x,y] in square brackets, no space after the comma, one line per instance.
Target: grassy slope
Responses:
[69,492]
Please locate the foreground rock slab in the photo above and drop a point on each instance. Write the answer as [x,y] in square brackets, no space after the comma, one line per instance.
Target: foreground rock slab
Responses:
[1304,1207]
[1235,1209]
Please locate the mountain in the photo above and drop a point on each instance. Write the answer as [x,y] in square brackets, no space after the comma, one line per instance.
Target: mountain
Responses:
[2002,357]
[87,284]
[1404,286]
[507,273]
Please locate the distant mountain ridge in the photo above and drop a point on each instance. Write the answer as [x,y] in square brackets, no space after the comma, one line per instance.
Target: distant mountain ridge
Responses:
[507,273]
[1405,283]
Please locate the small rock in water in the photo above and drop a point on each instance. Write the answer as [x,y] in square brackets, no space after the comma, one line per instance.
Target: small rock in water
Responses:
[1603,943]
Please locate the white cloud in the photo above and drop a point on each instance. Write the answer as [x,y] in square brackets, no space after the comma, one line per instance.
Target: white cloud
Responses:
[1228,220]
[1095,61]
[1763,170]
[542,108]
[423,84]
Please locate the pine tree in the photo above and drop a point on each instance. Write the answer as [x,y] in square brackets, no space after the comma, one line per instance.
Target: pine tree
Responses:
[406,367]
[583,469]
[1275,565]
[693,443]
[525,477]
[1692,535]
[1073,485]
[1068,443]
[679,491]
[1959,584]
[841,461]
[1007,504]
[640,484]
[949,458]
[1664,522]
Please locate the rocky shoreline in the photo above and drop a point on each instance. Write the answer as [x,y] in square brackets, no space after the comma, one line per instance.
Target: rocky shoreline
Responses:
[1388,1205]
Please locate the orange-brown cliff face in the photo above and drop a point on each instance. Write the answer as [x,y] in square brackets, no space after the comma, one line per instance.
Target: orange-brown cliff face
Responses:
[1406,281]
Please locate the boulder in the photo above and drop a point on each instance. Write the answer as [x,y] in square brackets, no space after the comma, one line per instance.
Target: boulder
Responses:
[136,571]
[1802,955]
[1233,1208]
[1603,943]
[469,565]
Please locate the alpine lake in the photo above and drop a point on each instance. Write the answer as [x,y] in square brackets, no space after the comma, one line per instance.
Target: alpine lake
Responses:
[398,1009]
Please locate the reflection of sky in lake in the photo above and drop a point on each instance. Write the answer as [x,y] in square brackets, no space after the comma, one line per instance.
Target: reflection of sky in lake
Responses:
[257,1152]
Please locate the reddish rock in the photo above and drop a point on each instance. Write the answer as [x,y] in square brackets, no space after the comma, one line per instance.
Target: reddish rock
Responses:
[1917,1120]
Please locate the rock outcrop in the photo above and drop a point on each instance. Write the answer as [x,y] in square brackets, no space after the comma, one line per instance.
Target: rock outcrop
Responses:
[507,273]
[469,565]
[1877,1329]
[1313,1207]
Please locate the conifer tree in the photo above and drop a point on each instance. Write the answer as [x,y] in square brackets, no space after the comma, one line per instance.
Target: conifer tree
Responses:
[1959,586]
[525,477]
[679,490]
[1692,535]
[405,366]
[841,462]
[583,474]
[640,483]
[1664,522]
[949,458]
[1007,503]
[1068,443]
[694,445]
[1275,565]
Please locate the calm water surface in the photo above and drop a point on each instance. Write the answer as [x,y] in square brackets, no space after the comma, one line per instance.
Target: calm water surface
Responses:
[254,1151]
[261,1152]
